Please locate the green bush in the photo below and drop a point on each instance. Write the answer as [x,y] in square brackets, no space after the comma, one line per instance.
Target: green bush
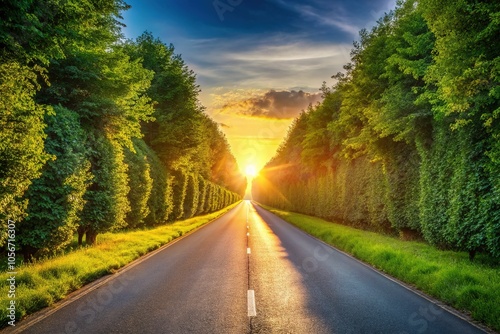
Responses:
[56,198]
[140,184]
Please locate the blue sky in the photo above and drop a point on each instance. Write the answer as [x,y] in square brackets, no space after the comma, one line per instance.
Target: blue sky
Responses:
[255,37]
[251,54]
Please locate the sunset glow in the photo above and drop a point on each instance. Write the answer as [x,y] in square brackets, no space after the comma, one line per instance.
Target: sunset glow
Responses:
[256,78]
[251,171]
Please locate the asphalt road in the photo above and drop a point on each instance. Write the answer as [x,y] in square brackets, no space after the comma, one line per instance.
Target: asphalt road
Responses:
[250,272]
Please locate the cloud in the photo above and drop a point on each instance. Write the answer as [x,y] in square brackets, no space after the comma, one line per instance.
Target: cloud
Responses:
[324,13]
[275,44]
[272,104]
[332,20]
[273,62]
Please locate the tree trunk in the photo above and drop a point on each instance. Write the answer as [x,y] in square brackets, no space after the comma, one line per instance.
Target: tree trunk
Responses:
[90,237]
[472,255]
[81,232]
[28,253]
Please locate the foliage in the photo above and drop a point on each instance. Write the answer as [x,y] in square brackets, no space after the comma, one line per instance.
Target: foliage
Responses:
[106,202]
[56,198]
[65,68]
[406,142]
[177,114]
[21,140]
[105,88]
[179,191]
[192,196]
[140,184]
[160,202]
[202,186]
[38,31]
[184,138]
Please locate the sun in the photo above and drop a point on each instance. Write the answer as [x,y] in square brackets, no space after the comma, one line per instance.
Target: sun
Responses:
[251,171]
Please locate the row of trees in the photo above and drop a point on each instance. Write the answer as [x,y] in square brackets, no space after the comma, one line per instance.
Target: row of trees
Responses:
[98,133]
[408,138]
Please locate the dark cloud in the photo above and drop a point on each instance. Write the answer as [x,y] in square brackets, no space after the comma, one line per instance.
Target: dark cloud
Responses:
[274,104]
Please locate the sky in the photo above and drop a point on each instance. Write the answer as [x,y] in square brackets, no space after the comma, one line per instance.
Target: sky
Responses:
[259,63]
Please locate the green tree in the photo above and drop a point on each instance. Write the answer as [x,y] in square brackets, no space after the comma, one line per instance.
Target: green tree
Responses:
[21,140]
[107,90]
[56,198]
[465,72]
[192,196]
[405,114]
[32,35]
[140,184]
[411,134]
[176,132]
[106,202]
[38,31]
[203,187]
[179,188]
[160,202]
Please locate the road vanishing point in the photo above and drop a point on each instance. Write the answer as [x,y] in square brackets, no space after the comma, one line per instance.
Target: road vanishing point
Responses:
[247,272]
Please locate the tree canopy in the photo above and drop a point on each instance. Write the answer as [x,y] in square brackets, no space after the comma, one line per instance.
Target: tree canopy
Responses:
[99,133]
[407,140]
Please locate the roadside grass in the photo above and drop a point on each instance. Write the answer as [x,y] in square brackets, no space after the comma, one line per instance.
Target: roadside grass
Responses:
[45,282]
[471,287]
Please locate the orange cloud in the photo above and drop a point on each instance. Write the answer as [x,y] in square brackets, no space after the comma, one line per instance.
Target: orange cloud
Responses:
[272,104]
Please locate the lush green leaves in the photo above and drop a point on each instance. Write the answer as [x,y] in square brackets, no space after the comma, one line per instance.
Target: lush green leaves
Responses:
[140,183]
[38,31]
[21,140]
[407,140]
[106,202]
[56,198]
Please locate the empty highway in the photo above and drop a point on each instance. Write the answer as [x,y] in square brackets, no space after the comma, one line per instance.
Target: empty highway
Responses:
[248,272]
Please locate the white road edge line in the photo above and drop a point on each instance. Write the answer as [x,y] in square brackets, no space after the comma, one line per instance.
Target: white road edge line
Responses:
[248,250]
[252,311]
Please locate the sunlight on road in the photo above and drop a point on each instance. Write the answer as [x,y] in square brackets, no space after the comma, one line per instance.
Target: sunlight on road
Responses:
[272,270]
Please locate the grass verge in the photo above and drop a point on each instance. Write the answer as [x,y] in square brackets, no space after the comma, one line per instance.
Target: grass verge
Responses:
[43,283]
[471,287]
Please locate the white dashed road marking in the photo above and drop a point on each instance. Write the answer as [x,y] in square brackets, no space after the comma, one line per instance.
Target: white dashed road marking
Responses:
[252,311]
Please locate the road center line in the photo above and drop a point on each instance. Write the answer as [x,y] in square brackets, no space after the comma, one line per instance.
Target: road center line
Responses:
[248,250]
[252,311]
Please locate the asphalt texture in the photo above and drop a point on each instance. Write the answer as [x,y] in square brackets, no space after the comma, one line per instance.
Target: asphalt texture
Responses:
[201,284]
